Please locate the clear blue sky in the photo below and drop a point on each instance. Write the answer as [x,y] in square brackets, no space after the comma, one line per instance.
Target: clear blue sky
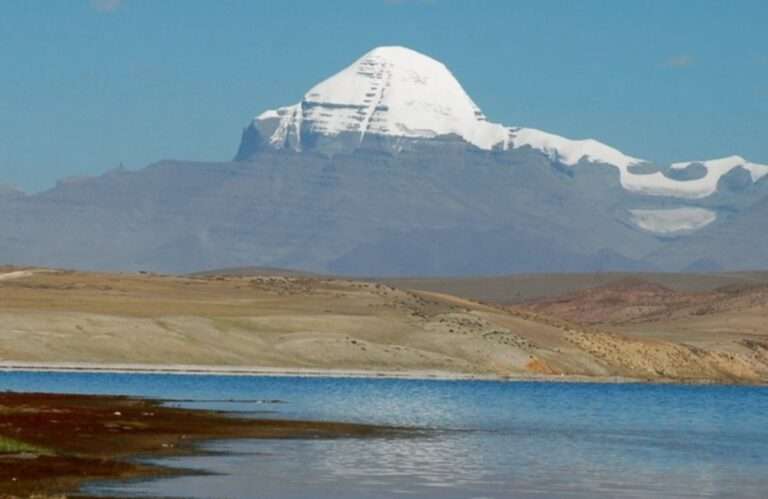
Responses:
[88,84]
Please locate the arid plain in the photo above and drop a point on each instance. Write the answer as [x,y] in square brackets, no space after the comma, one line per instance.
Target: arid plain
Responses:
[663,327]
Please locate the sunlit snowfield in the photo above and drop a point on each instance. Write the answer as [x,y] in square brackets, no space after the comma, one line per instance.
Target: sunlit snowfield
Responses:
[489,439]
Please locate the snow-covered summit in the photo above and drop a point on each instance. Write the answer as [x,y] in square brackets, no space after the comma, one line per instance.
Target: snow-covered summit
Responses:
[398,93]
[392,91]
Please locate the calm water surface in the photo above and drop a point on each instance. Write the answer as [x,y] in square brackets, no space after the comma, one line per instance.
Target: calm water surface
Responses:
[489,439]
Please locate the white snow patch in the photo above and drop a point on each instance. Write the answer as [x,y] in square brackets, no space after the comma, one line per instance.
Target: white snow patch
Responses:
[673,220]
[659,184]
[717,168]
[570,152]
[288,116]
[268,114]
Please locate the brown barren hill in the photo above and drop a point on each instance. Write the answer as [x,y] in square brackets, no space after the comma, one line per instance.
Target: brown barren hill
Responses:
[719,333]
[625,300]
[329,325]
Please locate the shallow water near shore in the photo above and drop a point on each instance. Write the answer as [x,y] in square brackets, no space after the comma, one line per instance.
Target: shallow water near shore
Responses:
[487,439]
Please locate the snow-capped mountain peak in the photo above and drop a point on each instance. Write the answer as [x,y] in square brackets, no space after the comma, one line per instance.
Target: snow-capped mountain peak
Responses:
[405,97]
[393,91]
[400,93]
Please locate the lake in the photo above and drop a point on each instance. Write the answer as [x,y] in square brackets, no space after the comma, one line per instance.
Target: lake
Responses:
[486,440]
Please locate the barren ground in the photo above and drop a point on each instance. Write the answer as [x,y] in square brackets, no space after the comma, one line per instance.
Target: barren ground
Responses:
[302,322]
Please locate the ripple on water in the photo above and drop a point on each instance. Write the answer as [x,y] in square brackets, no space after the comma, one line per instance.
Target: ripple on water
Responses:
[489,440]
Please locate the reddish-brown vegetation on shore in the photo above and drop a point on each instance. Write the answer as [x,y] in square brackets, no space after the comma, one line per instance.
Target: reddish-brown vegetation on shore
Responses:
[65,440]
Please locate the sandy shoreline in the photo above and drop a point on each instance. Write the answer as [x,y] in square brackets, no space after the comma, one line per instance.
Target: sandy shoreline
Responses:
[184,369]
[203,370]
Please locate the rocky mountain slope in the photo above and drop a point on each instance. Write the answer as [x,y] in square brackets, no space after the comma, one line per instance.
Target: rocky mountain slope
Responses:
[390,168]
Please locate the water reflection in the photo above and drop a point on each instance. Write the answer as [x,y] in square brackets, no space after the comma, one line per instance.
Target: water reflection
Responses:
[490,440]
[453,465]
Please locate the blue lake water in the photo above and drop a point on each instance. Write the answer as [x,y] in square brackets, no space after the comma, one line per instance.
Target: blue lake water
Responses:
[489,439]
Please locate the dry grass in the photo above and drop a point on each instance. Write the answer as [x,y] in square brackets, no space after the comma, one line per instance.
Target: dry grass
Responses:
[321,323]
[13,446]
